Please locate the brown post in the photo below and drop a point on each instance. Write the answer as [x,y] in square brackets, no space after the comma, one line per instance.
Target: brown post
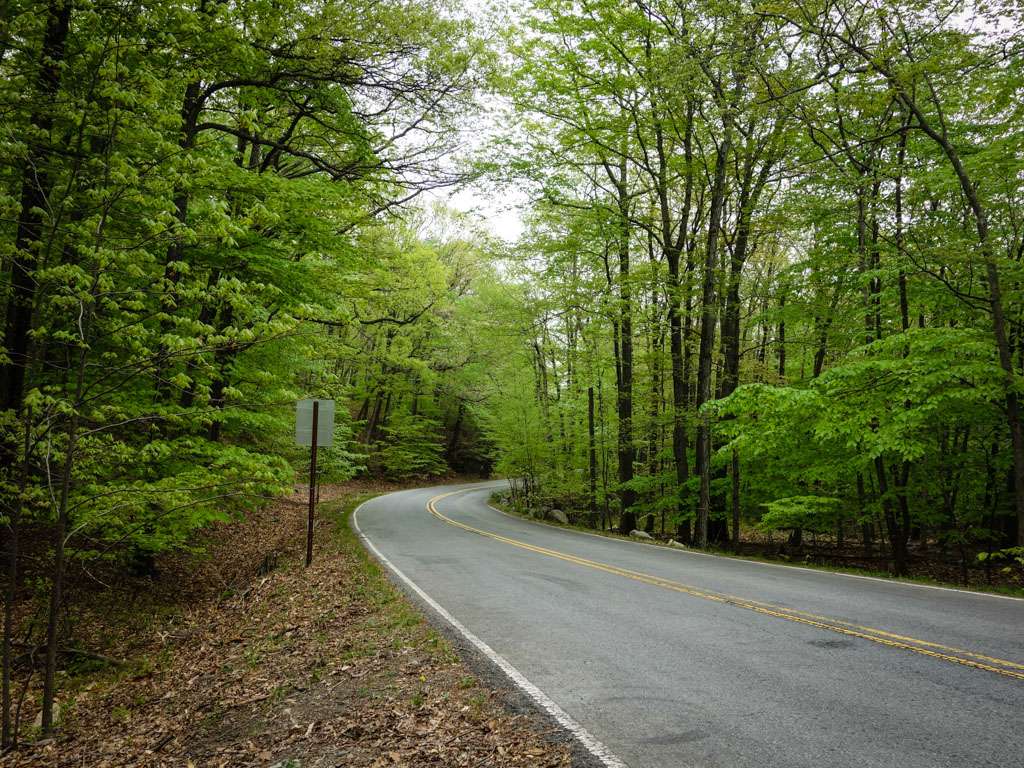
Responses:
[312,484]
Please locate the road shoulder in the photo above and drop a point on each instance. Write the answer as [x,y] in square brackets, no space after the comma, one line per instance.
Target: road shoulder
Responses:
[819,569]
[516,694]
[294,667]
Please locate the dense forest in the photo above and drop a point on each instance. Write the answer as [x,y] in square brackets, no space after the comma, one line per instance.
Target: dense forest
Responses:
[207,215]
[770,278]
[775,269]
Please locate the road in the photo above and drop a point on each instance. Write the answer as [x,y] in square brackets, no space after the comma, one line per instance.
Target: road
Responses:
[676,658]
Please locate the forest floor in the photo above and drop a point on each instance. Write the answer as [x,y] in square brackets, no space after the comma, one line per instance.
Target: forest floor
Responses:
[240,656]
[927,565]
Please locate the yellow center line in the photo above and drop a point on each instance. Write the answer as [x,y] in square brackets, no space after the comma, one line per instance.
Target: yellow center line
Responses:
[924,647]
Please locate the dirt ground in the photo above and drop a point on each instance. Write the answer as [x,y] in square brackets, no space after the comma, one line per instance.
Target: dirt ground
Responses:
[240,656]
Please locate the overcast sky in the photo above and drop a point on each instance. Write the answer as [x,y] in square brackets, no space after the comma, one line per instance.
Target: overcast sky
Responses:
[497,208]
[500,217]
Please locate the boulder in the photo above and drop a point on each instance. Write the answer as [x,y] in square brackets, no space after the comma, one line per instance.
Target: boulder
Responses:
[38,723]
[640,534]
[674,543]
[558,516]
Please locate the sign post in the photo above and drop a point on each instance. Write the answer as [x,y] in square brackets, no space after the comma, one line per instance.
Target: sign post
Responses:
[314,426]
[312,485]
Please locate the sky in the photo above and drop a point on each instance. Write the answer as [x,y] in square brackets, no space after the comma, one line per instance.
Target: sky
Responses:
[498,211]
[496,206]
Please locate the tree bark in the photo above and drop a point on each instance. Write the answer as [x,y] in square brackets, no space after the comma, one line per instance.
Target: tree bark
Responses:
[35,193]
[709,310]
[897,532]
[626,450]
[592,445]
[673,251]
[782,339]
[750,190]
[735,499]
[57,578]
[453,441]
[190,108]
[8,735]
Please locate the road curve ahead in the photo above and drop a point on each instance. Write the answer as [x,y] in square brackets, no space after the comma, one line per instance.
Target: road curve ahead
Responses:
[672,658]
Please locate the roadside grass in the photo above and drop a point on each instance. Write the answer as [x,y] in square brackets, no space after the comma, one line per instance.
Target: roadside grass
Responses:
[994,589]
[397,617]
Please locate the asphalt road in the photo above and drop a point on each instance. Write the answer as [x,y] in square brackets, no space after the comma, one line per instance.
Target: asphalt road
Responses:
[674,658]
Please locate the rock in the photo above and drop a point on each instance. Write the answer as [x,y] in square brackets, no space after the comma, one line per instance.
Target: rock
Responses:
[640,534]
[38,723]
[674,543]
[558,516]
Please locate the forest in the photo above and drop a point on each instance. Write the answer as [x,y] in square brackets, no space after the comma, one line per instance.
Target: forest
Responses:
[774,263]
[769,280]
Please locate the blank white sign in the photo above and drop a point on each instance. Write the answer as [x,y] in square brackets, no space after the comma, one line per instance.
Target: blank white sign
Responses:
[324,423]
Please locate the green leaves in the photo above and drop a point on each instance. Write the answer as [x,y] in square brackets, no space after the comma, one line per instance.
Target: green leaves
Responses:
[815,513]
[212,176]
[866,276]
[893,393]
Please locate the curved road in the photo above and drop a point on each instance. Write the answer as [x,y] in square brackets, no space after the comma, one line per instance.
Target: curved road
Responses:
[675,658]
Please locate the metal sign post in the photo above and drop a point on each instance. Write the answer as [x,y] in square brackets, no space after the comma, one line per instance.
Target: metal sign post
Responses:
[312,485]
[314,426]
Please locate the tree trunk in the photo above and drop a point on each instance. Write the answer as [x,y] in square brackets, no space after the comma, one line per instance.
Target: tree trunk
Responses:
[735,500]
[673,246]
[897,532]
[57,578]
[10,593]
[824,324]
[175,251]
[782,339]
[605,509]
[35,194]
[592,451]
[656,339]
[8,735]
[867,528]
[709,309]
[542,391]
[626,451]
[453,442]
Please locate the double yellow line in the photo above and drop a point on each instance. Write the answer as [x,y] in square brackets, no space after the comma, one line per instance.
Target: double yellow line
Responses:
[924,647]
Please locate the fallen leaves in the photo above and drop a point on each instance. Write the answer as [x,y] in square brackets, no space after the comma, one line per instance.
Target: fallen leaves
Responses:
[296,667]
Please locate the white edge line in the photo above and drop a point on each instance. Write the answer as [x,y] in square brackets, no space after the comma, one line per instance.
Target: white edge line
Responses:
[688,551]
[581,734]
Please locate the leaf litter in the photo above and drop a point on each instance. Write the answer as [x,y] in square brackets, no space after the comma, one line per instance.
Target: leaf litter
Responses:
[262,662]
